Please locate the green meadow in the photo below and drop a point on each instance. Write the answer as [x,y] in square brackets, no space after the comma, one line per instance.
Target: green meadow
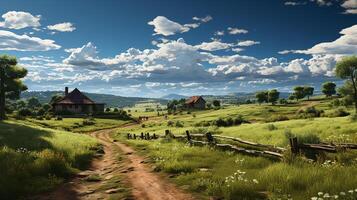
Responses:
[34,159]
[209,172]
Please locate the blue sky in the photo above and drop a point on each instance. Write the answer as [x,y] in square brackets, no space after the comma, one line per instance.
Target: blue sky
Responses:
[153,48]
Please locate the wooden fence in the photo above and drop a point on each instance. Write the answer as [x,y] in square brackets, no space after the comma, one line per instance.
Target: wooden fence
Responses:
[260,149]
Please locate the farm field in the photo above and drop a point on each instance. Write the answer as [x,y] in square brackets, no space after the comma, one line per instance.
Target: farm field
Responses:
[225,174]
[35,159]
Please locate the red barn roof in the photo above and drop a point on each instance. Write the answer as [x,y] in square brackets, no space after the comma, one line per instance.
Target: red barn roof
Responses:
[193,99]
[76,97]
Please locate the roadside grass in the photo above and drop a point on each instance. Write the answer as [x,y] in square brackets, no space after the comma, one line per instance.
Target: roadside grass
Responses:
[75,124]
[140,109]
[233,176]
[35,159]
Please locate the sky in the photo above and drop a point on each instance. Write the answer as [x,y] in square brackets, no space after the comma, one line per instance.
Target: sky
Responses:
[151,48]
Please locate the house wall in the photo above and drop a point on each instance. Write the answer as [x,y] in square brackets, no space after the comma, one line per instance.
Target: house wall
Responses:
[200,104]
[80,109]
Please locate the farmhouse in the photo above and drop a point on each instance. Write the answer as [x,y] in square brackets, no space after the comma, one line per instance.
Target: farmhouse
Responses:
[196,102]
[77,103]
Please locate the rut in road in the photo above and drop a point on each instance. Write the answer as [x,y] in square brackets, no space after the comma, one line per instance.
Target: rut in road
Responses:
[145,184]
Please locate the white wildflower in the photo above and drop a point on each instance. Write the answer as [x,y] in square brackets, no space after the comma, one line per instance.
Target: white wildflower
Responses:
[320,193]
[342,193]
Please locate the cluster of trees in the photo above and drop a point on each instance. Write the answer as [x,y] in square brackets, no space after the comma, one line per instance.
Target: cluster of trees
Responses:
[301,92]
[270,96]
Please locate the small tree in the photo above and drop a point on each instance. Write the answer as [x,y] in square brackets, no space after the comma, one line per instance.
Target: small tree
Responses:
[262,97]
[273,96]
[346,69]
[299,92]
[10,81]
[292,97]
[329,88]
[308,91]
[216,103]
[107,110]
[33,102]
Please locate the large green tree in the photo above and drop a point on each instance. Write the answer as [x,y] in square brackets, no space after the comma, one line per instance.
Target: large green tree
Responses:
[10,81]
[308,91]
[273,96]
[299,92]
[347,69]
[329,88]
[261,96]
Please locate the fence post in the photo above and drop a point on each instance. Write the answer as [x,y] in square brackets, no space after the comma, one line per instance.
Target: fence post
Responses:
[134,136]
[148,136]
[189,138]
[294,145]
[142,135]
[209,137]
[154,136]
[128,135]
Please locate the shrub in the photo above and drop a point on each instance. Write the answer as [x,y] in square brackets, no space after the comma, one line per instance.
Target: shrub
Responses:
[107,110]
[48,116]
[272,127]
[88,121]
[170,123]
[203,123]
[58,117]
[229,121]
[309,112]
[116,110]
[338,113]
[40,112]
[179,124]
[25,112]
[143,125]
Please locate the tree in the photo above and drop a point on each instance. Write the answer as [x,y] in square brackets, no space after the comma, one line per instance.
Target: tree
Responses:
[33,102]
[299,92]
[262,97]
[55,98]
[273,96]
[329,88]
[216,103]
[308,91]
[10,81]
[346,69]
[292,97]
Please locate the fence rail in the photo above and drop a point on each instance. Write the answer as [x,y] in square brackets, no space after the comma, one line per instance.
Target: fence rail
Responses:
[264,149]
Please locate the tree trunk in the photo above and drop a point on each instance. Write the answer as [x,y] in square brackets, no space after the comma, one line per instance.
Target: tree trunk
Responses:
[2,93]
[355,90]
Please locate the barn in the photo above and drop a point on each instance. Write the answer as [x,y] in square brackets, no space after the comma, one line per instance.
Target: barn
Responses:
[195,102]
[77,103]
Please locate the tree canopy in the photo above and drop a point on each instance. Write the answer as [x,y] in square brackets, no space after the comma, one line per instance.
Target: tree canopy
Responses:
[299,92]
[10,81]
[329,88]
[346,69]
[273,96]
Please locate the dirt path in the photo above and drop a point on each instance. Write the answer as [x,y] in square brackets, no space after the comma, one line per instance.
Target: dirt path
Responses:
[107,176]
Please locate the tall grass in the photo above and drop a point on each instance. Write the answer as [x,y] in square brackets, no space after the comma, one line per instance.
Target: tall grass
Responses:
[34,159]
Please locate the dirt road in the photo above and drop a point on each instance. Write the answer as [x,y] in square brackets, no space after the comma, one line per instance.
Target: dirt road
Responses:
[110,177]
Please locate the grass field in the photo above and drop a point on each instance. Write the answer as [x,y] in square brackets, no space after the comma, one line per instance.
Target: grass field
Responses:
[233,176]
[35,159]
[145,109]
[75,124]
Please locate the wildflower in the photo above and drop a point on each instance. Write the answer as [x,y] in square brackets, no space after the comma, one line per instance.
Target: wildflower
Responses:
[335,196]
[327,195]
[255,181]
[313,198]
[350,191]
[342,193]
[320,193]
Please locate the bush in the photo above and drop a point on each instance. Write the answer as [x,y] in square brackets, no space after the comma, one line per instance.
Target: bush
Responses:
[88,122]
[25,112]
[338,113]
[309,112]
[170,123]
[229,121]
[283,101]
[40,112]
[272,127]
[179,124]
[116,110]
[58,117]
[107,110]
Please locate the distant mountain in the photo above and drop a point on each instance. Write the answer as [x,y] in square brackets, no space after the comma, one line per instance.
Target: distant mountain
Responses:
[173,96]
[110,100]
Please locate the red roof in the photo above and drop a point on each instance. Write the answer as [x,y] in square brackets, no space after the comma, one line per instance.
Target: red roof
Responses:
[193,99]
[75,97]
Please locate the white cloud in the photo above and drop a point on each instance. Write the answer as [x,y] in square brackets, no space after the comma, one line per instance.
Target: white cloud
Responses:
[166,27]
[344,45]
[214,45]
[19,20]
[350,6]
[62,27]
[294,3]
[12,41]
[204,19]
[247,43]
[237,50]
[234,31]
[219,33]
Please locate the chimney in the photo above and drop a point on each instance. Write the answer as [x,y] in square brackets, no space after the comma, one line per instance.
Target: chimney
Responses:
[65,91]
